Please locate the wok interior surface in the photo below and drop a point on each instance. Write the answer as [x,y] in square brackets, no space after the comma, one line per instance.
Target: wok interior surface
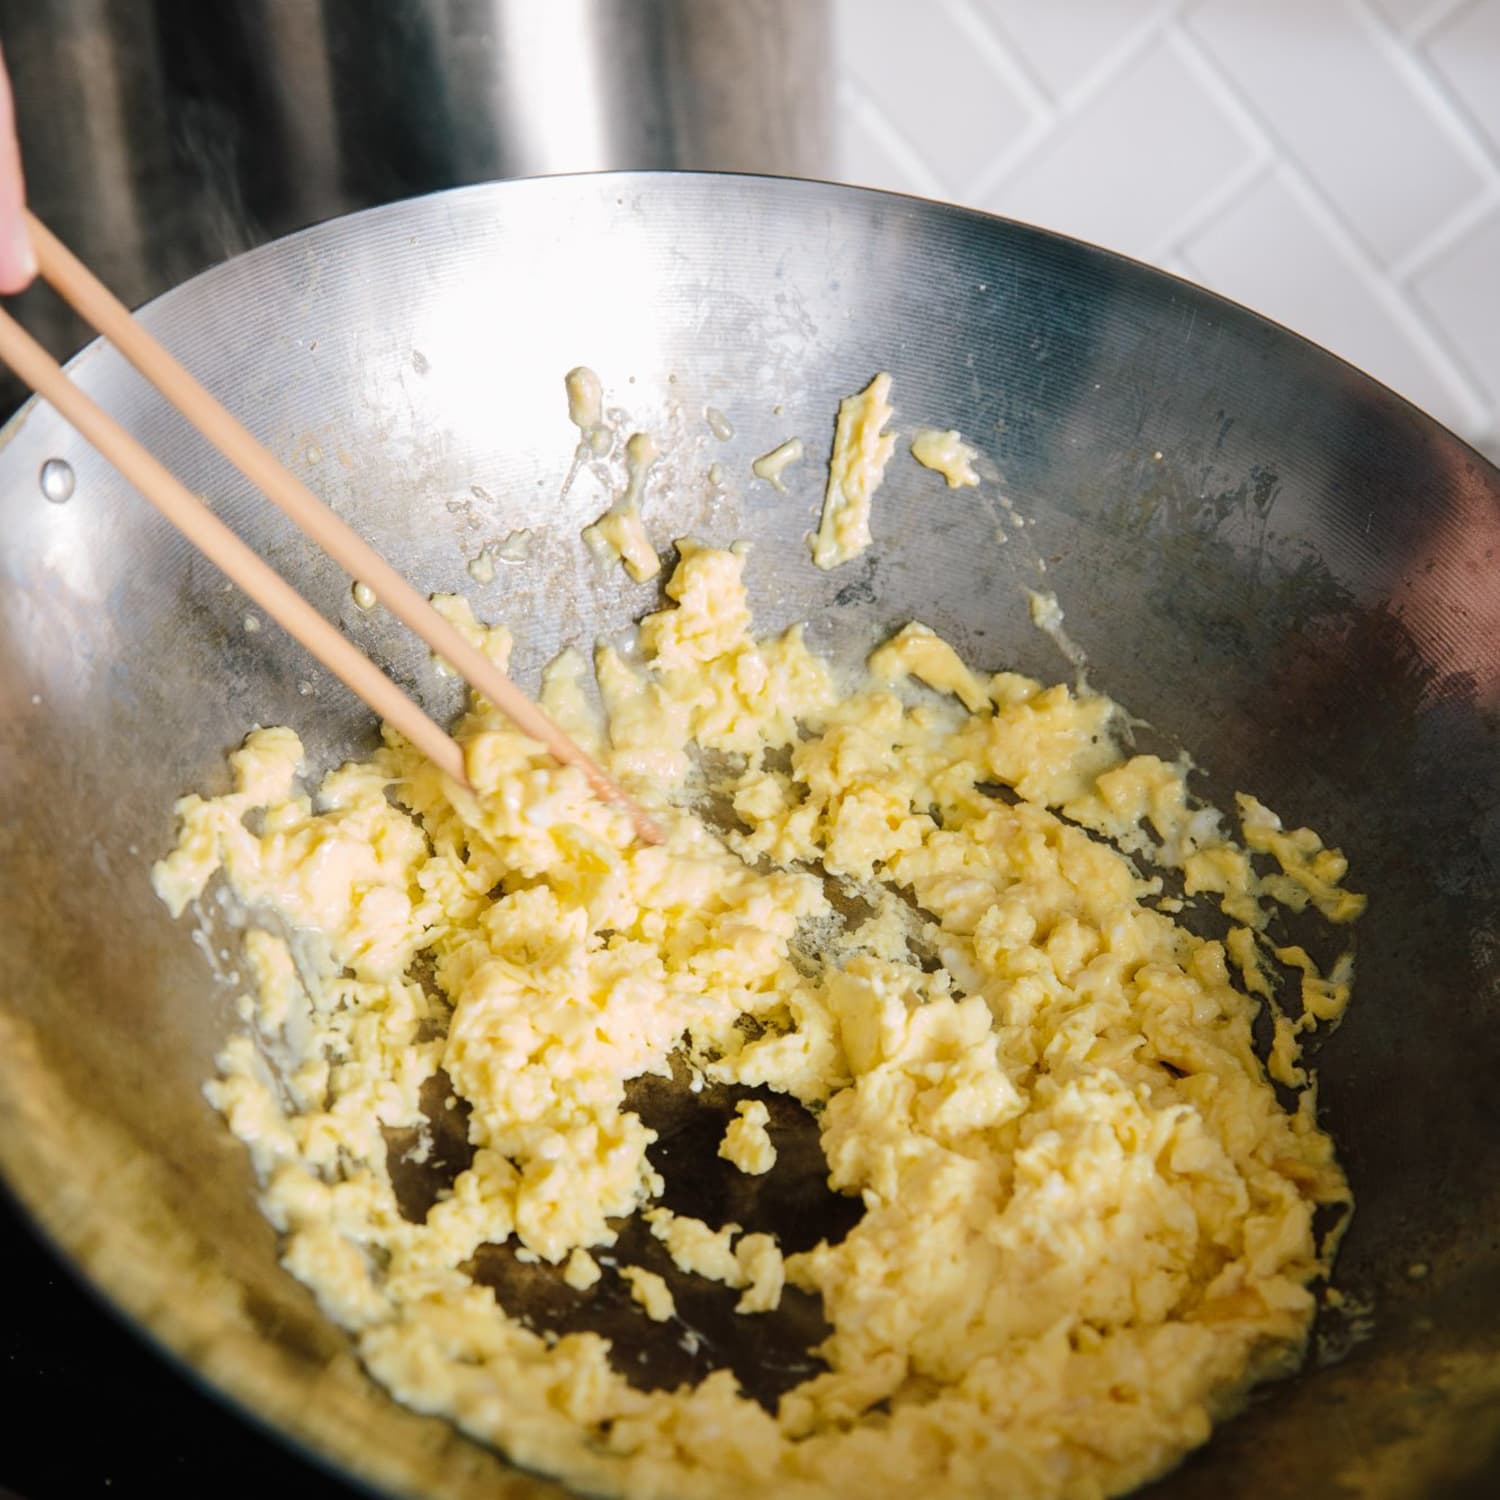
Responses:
[1275,562]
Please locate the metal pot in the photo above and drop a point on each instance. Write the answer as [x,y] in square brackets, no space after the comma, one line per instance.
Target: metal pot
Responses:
[162,136]
[1267,556]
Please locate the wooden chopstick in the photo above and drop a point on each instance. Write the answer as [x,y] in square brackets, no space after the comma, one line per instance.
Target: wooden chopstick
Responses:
[217,542]
[105,313]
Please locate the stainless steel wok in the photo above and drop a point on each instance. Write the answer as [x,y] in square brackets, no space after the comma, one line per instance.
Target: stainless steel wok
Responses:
[1274,560]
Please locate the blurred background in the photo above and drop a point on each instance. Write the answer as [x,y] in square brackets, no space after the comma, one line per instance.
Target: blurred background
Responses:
[1332,163]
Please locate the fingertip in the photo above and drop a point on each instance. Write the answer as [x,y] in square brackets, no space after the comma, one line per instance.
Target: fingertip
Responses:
[17,259]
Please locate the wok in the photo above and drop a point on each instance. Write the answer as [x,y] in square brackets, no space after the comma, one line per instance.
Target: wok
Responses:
[1267,556]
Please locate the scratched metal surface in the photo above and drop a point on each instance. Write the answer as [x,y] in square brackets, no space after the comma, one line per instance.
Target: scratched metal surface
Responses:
[1272,559]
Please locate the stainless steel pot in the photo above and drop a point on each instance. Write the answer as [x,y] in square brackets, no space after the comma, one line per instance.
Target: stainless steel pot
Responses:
[1272,559]
[161,136]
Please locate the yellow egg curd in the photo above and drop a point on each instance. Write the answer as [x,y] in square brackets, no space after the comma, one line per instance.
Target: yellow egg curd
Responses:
[861,451]
[1087,1214]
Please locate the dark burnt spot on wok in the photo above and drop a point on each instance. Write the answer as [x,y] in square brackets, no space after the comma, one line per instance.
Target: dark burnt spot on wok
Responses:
[768,1353]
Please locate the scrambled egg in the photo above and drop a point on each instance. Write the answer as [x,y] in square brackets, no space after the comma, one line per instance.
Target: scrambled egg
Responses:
[772,466]
[1088,1219]
[947,453]
[747,1142]
[620,529]
[860,453]
[586,410]
[651,1292]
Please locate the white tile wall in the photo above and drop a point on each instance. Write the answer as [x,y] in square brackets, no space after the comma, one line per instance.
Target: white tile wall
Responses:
[1407,15]
[1335,98]
[1333,163]
[1063,46]
[1101,168]
[937,90]
[1465,50]
[1461,290]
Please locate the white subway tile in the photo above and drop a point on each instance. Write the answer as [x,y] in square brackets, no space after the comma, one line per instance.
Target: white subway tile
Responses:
[933,85]
[1269,253]
[1322,84]
[1462,291]
[1132,162]
[865,154]
[1062,41]
[1466,51]
[1405,14]
[1283,150]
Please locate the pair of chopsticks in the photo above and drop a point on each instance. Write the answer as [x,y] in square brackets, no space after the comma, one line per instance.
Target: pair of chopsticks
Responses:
[99,307]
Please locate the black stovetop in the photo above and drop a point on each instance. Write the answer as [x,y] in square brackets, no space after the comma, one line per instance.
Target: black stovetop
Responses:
[87,1408]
